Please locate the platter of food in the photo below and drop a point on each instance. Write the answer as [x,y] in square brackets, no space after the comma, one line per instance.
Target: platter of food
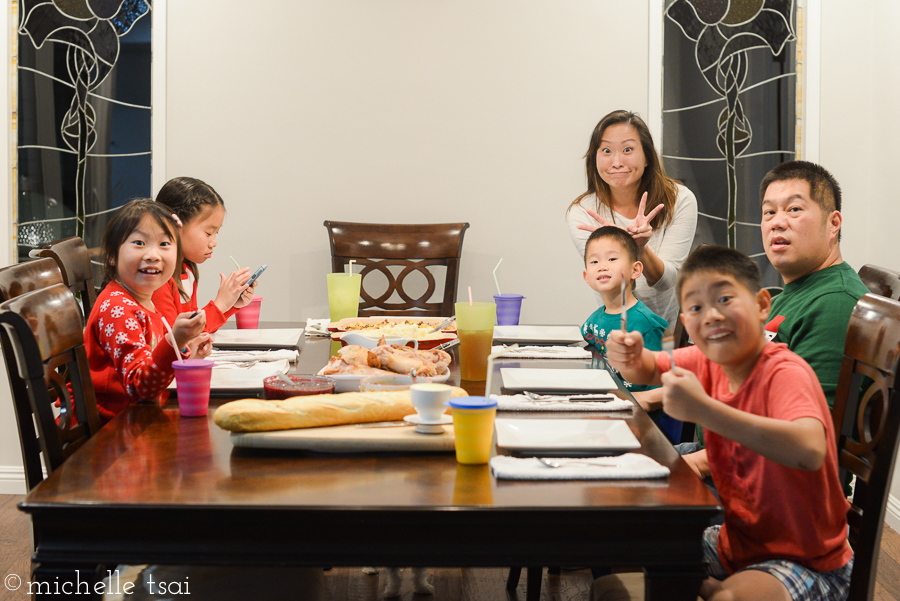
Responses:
[353,363]
[411,328]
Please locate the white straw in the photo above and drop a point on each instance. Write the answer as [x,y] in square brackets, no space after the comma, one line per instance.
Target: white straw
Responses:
[350,266]
[235,262]
[490,368]
[495,278]
[174,343]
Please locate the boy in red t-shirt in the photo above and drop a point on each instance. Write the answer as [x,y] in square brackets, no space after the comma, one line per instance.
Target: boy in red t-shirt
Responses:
[770,439]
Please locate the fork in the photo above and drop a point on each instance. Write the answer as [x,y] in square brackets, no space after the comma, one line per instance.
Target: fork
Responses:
[552,398]
[550,463]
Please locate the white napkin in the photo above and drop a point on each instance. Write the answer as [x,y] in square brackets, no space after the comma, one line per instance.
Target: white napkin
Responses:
[544,352]
[630,466]
[224,356]
[520,402]
[317,327]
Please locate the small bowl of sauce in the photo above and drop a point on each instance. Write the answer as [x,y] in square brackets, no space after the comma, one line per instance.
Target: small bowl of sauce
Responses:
[277,389]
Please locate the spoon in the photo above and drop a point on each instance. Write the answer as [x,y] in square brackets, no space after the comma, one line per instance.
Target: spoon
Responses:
[443,324]
[550,463]
[284,378]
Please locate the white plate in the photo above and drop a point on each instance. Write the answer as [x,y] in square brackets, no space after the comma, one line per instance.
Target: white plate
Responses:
[226,379]
[265,338]
[415,419]
[565,436]
[557,380]
[539,334]
[350,383]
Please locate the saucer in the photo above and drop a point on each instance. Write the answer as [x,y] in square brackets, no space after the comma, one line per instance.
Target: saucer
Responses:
[429,427]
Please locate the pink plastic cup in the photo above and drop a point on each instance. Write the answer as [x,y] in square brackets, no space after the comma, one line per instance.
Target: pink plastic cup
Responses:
[192,379]
[248,317]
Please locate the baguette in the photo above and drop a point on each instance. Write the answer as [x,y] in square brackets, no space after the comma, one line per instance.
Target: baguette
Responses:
[256,415]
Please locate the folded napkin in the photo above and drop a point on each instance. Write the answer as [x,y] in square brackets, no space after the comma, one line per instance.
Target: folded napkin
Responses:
[629,466]
[253,372]
[224,356]
[543,352]
[520,402]
[317,327]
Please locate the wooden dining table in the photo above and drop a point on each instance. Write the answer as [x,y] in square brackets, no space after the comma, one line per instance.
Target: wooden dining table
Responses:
[155,487]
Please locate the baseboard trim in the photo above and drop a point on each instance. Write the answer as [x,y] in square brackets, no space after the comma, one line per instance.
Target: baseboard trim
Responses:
[12,480]
[892,515]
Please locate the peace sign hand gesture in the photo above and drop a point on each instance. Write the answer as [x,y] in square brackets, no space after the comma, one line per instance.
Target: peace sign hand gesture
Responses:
[640,229]
[596,217]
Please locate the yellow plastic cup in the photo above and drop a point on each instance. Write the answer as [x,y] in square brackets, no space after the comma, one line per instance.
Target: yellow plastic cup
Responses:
[473,428]
[475,329]
[343,295]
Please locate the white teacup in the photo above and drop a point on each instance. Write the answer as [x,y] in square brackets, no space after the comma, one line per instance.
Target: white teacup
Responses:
[428,400]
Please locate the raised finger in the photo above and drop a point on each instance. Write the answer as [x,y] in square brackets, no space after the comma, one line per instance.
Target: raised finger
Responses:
[654,212]
[643,205]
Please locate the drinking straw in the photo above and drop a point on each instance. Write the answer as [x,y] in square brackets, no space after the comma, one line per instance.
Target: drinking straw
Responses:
[495,278]
[490,367]
[174,343]
[233,261]
[470,296]
[350,265]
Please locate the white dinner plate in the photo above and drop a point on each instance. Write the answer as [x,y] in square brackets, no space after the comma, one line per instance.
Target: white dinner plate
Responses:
[256,339]
[538,334]
[565,436]
[233,379]
[556,380]
[350,383]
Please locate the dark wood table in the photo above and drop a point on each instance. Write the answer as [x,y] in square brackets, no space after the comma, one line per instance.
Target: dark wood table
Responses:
[154,487]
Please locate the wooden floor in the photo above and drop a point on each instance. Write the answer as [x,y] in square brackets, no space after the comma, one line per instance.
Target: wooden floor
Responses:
[451,584]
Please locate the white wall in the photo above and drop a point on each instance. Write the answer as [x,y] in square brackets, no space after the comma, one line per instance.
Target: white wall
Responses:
[400,111]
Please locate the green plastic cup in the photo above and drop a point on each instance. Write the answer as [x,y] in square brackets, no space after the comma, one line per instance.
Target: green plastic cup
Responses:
[475,329]
[343,295]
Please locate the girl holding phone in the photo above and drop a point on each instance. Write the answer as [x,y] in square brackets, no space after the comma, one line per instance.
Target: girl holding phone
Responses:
[201,212]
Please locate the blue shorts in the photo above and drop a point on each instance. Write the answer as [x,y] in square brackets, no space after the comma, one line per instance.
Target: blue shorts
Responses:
[802,583]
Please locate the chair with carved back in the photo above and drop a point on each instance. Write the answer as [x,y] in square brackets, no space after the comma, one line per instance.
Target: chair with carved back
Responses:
[881,281]
[867,427]
[42,339]
[389,254]
[74,260]
[16,280]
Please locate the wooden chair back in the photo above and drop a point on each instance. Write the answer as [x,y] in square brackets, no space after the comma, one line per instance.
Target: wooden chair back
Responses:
[867,426]
[74,260]
[17,280]
[45,339]
[398,252]
[881,281]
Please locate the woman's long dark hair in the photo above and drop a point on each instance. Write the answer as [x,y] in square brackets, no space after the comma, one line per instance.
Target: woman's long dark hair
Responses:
[659,187]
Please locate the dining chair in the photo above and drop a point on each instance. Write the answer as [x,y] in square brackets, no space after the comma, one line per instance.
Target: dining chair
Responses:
[881,281]
[43,338]
[401,265]
[74,260]
[17,280]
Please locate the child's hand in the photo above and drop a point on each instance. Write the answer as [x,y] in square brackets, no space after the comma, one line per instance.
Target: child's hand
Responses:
[186,327]
[683,395]
[200,346]
[231,288]
[624,349]
[247,295]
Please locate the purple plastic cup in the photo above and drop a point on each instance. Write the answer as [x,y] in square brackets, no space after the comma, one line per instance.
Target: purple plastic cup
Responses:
[192,379]
[248,317]
[508,308]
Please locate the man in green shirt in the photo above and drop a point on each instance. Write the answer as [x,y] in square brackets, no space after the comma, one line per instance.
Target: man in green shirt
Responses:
[801,230]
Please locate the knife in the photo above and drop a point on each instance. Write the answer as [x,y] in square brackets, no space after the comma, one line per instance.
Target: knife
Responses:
[384,424]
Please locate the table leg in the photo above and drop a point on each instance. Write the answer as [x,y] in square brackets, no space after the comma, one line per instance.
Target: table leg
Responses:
[66,581]
[671,585]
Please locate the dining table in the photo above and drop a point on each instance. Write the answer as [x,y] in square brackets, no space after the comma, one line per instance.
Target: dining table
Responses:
[155,487]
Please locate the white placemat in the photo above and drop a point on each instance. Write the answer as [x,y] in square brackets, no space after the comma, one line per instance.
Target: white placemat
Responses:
[544,352]
[520,402]
[630,466]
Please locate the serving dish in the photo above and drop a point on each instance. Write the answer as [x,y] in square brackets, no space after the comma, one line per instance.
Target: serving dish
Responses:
[350,382]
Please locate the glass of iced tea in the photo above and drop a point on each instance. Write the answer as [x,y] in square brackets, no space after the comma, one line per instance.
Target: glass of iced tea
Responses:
[475,330]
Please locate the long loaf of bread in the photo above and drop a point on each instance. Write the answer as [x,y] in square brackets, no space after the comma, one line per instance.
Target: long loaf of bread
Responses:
[256,415]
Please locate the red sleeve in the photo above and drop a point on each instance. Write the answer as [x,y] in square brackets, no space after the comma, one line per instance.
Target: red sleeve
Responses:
[215,319]
[167,301]
[140,355]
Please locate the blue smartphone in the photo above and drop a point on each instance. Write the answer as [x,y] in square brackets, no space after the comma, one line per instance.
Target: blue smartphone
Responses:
[256,275]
